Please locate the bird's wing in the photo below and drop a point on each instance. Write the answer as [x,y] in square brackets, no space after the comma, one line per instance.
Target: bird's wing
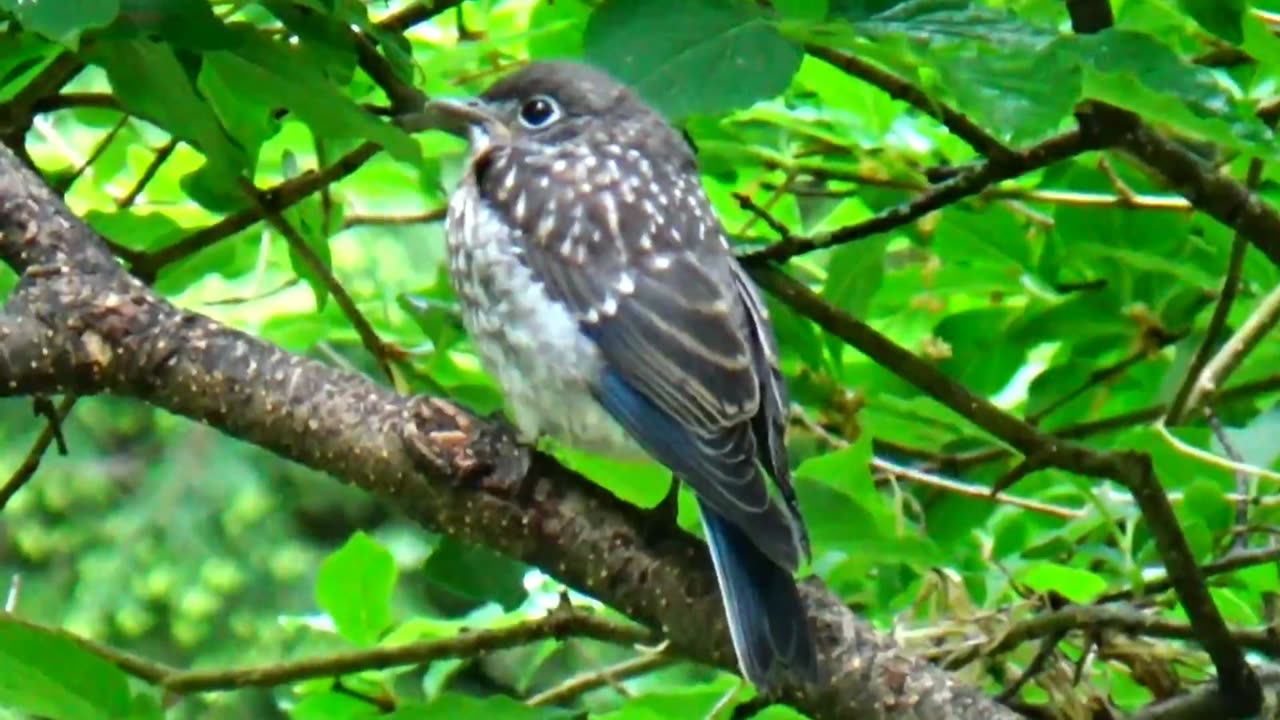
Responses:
[637,255]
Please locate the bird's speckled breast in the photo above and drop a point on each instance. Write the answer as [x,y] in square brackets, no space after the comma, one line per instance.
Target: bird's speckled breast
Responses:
[531,345]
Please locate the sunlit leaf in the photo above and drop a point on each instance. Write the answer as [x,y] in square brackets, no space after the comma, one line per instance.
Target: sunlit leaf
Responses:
[354,586]
[689,58]
[51,676]
[62,20]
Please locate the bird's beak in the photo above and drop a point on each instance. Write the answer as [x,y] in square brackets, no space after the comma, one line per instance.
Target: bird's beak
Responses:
[465,117]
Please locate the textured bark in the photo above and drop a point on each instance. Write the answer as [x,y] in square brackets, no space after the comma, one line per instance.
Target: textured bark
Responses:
[78,322]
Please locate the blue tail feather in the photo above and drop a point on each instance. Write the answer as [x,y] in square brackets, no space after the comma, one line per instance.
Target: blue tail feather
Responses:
[767,620]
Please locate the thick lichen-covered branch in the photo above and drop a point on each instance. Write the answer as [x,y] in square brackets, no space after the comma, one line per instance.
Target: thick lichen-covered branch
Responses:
[135,343]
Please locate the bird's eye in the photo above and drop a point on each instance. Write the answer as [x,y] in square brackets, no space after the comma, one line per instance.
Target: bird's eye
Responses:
[539,111]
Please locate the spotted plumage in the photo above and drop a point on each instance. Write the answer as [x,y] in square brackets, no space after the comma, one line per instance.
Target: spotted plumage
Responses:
[598,288]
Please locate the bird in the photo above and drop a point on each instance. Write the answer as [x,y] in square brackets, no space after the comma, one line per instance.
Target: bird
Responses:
[599,289]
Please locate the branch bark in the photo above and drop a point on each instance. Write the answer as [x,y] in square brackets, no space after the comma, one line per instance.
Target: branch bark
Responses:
[85,325]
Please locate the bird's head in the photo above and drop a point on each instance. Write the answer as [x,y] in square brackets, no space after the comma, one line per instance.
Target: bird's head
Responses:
[547,105]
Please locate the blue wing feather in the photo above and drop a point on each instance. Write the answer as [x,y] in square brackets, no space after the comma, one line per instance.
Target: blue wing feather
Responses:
[766,617]
[711,466]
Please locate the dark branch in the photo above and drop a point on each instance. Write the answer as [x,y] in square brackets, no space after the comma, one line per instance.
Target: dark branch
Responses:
[444,468]
[966,183]
[1232,204]
[1132,470]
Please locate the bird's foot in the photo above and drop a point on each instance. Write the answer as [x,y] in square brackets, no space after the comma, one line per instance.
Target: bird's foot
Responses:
[448,442]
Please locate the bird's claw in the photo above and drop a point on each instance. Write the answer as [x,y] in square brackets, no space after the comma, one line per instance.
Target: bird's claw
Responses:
[446,441]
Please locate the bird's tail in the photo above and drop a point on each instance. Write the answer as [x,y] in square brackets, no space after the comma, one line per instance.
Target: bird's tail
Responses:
[767,621]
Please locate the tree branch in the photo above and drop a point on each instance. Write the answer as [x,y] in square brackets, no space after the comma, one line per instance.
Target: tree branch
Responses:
[1234,205]
[563,621]
[968,182]
[1219,196]
[443,467]
[1259,323]
[277,198]
[1132,470]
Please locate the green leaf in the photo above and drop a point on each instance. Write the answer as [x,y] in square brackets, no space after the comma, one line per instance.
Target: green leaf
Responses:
[323,39]
[854,274]
[639,483]
[474,576]
[701,700]
[333,706]
[692,57]
[862,9]
[458,705]
[354,587]
[51,676]
[62,21]
[1008,74]
[21,56]
[1207,502]
[274,75]
[1224,18]
[187,24]
[250,123]
[837,492]
[1078,586]
[141,231]
[558,29]
[1025,94]
[807,10]
[984,355]
[150,82]
[932,21]
[1140,73]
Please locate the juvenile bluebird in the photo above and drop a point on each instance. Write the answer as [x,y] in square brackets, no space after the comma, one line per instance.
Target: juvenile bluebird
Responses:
[598,288]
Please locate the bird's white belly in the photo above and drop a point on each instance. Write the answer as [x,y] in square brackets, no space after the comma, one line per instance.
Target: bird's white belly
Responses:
[531,345]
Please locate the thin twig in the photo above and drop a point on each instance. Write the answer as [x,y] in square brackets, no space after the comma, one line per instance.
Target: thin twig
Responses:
[974,491]
[761,213]
[276,198]
[1047,196]
[586,682]
[148,174]
[964,184]
[1076,618]
[101,147]
[1243,481]
[1126,194]
[1212,460]
[560,622]
[368,336]
[1100,376]
[1256,327]
[1218,321]
[1077,431]
[421,218]
[51,432]
[1047,651]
